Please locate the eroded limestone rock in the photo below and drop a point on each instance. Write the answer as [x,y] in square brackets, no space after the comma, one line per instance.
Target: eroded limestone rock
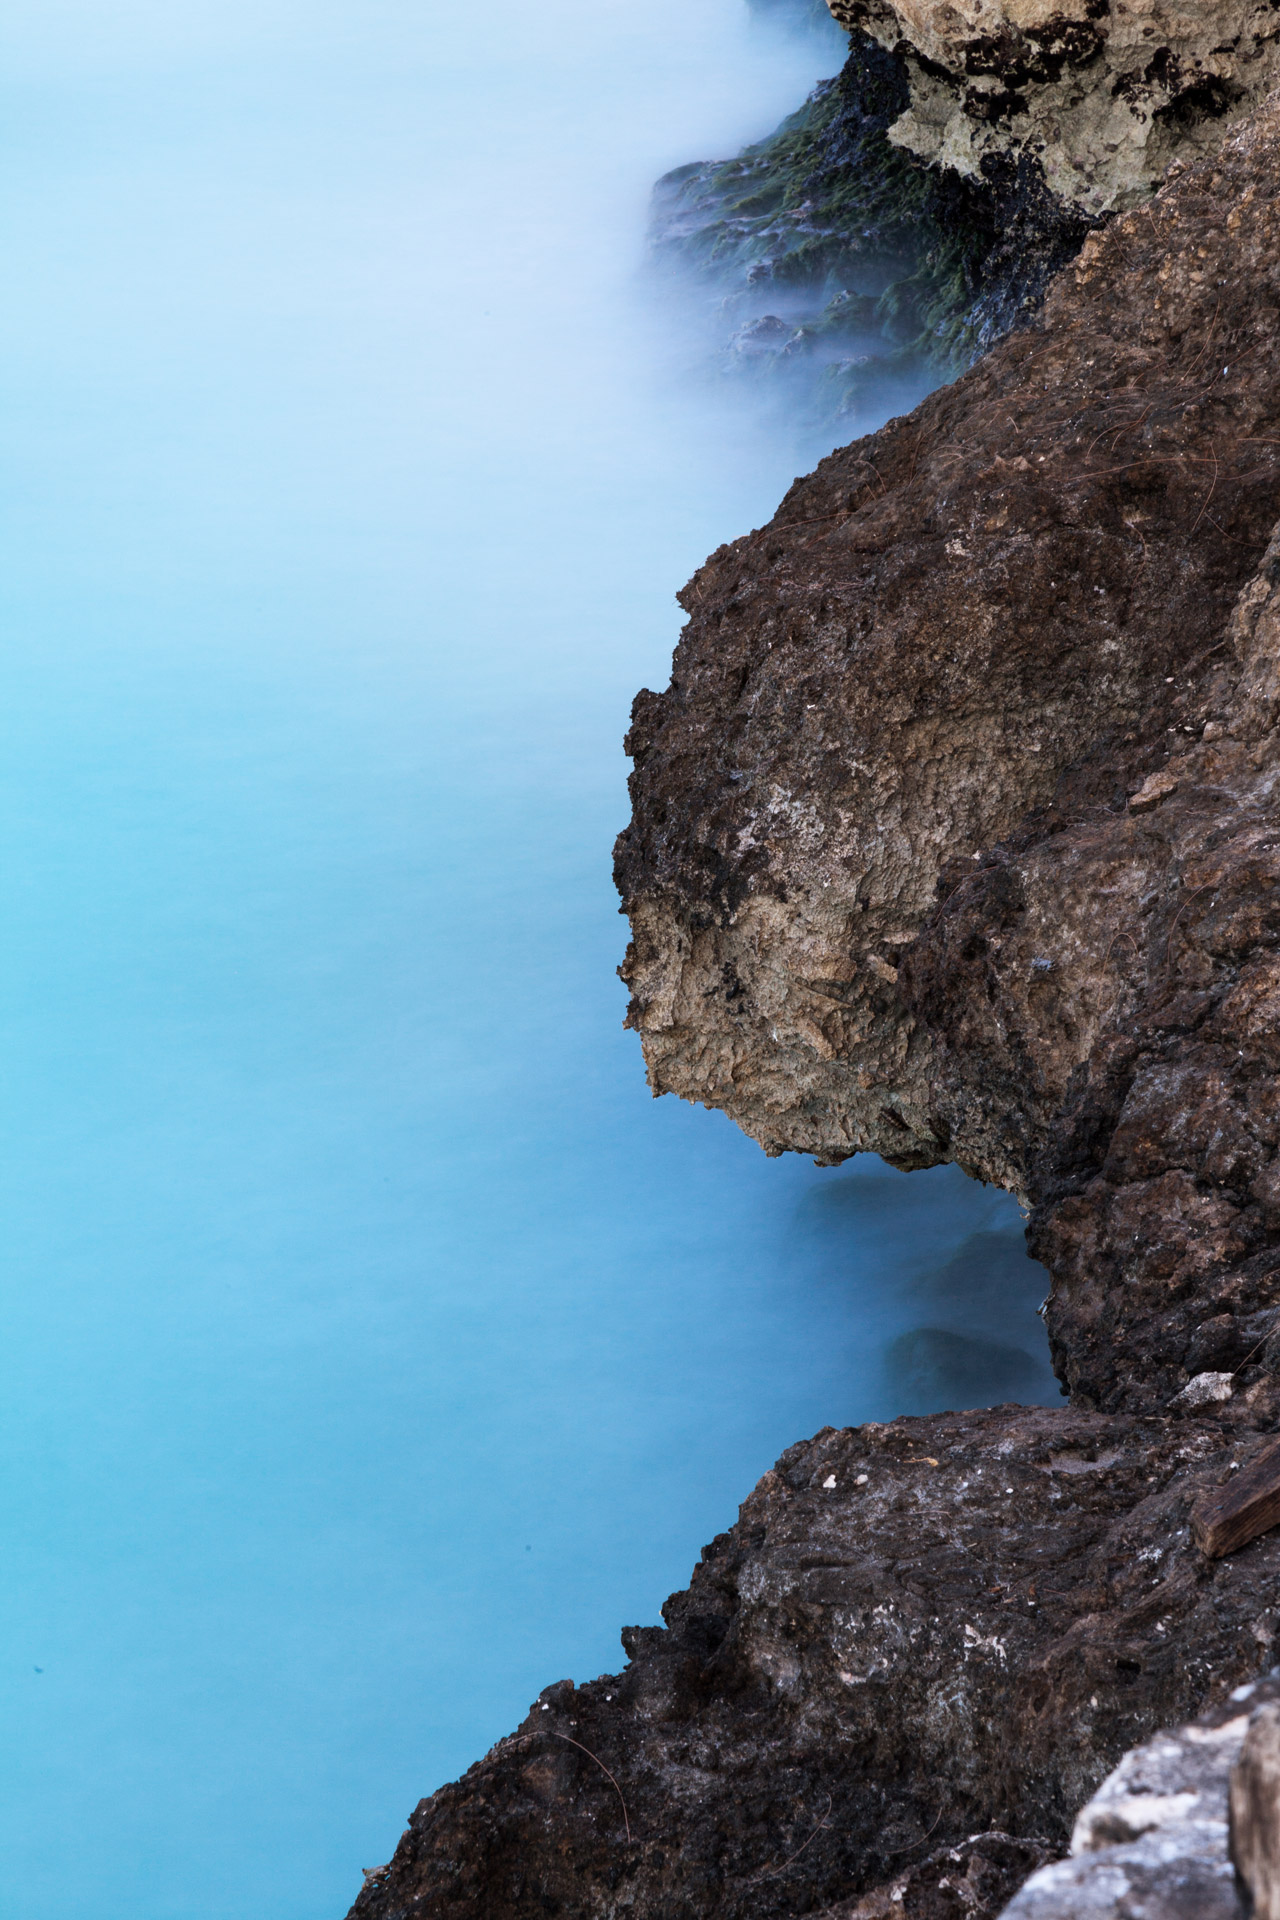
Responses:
[1103,94]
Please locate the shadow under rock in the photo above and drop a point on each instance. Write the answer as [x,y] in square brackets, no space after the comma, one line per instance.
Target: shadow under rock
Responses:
[946,1296]
[982,1341]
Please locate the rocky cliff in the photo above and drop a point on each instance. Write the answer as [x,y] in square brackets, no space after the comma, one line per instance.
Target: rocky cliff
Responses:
[956,836]
[915,1634]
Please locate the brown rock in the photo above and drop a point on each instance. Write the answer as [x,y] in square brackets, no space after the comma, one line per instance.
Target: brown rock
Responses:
[886,887]
[862,1676]
[1228,1517]
[888,892]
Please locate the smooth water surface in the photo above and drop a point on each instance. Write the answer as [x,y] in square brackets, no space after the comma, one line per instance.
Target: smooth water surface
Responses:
[372,1346]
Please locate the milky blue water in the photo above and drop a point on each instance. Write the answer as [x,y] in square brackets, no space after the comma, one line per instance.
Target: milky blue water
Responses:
[372,1347]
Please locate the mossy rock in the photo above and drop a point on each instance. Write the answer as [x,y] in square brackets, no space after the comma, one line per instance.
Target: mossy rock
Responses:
[828,225]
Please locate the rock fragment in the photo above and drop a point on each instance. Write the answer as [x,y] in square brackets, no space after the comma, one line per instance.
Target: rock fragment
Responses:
[1255,1812]
[1152,1843]
[1247,1504]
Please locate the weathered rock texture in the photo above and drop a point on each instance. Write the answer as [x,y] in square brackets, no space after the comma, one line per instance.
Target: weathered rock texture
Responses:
[955,837]
[914,1633]
[1152,1844]
[1099,93]
[969,1881]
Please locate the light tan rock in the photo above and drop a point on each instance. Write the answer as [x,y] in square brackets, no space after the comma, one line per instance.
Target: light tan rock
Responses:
[1103,95]
[1255,1812]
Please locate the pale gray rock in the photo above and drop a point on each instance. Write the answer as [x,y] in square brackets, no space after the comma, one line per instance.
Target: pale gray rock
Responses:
[1206,1390]
[1152,1843]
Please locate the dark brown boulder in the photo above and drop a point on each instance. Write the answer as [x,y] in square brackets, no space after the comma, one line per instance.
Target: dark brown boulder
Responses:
[954,835]
[914,1633]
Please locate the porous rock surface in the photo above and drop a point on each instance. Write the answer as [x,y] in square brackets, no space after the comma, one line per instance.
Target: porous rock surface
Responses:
[969,1881]
[1100,94]
[915,1634]
[955,835]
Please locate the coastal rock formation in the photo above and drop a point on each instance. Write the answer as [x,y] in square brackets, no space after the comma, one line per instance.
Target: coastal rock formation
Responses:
[953,836]
[915,1634]
[1103,94]
[849,268]
[956,837]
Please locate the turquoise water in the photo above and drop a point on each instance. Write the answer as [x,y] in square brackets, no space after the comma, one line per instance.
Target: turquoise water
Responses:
[372,1347]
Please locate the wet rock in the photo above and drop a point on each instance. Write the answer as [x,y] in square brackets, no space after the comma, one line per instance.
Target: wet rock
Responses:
[830,228]
[915,1634]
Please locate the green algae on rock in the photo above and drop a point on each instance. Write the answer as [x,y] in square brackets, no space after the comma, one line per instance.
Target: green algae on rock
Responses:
[845,258]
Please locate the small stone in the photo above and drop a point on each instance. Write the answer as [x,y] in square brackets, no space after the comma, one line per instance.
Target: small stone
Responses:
[1206,1390]
[1155,788]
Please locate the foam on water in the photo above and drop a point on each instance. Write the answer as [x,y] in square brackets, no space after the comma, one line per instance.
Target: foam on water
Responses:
[372,1346]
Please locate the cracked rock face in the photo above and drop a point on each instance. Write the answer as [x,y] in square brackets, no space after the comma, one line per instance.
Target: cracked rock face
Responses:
[914,1634]
[954,835]
[1103,94]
